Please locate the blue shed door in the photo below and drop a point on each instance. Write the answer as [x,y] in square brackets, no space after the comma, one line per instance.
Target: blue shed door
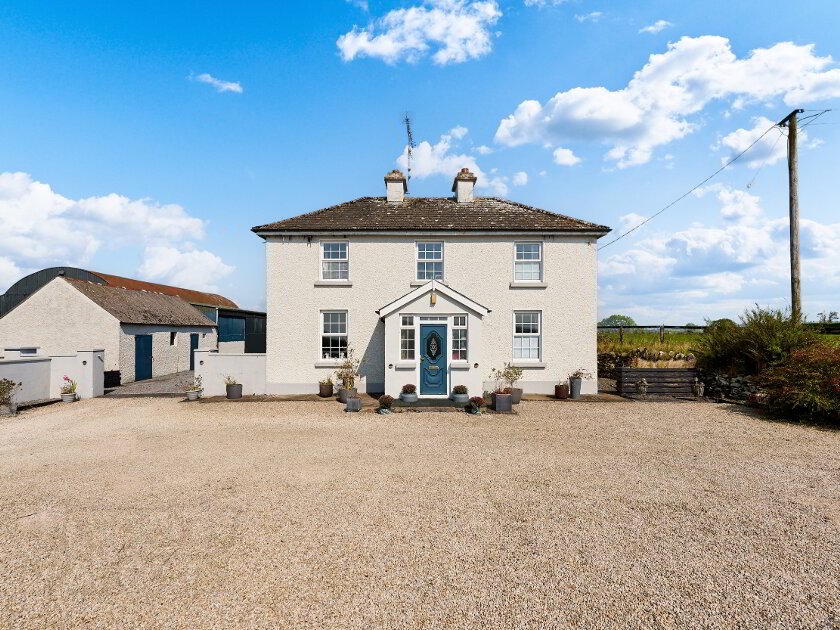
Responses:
[193,348]
[433,359]
[142,357]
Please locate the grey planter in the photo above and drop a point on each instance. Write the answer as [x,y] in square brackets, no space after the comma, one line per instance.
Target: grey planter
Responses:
[503,402]
[460,399]
[574,387]
[8,410]
[234,391]
[408,397]
[516,395]
[353,404]
[325,390]
[194,394]
[345,393]
[68,397]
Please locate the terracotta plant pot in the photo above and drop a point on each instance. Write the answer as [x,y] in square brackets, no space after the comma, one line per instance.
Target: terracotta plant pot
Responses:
[68,397]
[345,393]
[561,391]
[325,390]
[353,404]
[234,391]
[503,402]
[516,395]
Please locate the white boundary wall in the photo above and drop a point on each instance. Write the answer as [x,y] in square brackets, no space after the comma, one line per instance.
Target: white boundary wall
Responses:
[213,367]
[42,377]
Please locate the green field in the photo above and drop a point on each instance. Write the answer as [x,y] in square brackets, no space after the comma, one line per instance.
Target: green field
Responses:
[674,341]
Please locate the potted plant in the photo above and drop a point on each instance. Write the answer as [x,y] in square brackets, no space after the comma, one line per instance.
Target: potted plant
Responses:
[502,399]
[575,380]
[8,406]
[325,388]
[346,373]
[232,388]
[68,389]
[353,403]
[561,390]
[193,391]
[409,393]
[476,403]
[510,375]
[460,395]
[385,402]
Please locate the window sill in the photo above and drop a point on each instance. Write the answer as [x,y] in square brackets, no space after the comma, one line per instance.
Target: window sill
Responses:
[528,285]
[330,363]
[459,365]
[333,283]
[405,365]
[530,364]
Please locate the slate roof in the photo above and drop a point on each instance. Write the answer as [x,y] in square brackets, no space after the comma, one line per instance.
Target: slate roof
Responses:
[193,297]
[141,307]
[483,214]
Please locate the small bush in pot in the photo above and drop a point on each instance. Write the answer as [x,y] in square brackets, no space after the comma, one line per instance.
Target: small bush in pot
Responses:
[510,375]
[8,406]
[409,393]
[385,402]
[193,390]
[68,389]
[476,403]
[575,381]
[233,389]
[502,399]
[346,373]
[325,388]
[460,394]
[354,403]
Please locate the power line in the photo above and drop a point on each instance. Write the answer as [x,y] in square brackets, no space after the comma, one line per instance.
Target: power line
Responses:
[684,195]
[767,161]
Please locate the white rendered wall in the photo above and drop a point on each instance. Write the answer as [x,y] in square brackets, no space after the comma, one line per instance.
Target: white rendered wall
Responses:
[247,369]
[42,377]
[59,320]
[33,372]
[166,358]
[382,268]
[232,347]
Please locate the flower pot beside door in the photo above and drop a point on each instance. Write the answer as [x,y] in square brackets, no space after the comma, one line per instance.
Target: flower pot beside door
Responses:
[409,393]
[460,395]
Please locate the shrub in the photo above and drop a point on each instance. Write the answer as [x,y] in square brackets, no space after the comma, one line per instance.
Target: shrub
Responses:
[459,389]
[806,386]
[409,388]
[385,401]
[765,337]
[7,391]
[68,385]
[476,402]
[229,380]
[509,374]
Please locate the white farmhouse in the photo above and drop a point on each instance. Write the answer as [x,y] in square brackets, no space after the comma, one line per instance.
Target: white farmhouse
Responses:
[434,291]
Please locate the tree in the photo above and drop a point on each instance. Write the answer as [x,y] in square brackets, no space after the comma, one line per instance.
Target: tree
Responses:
[827,318]
[617,320]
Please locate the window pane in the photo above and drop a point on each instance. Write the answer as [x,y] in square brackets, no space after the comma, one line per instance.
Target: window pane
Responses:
[459,344]
[460,321]
[335,322]
[407,344]
[429,270]
[527,271]
[335,251]
[527,251]
[335,270]
[408,320]
[333,347]
[429,251]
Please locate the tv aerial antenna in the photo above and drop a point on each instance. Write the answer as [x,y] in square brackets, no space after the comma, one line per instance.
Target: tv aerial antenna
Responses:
[411,145]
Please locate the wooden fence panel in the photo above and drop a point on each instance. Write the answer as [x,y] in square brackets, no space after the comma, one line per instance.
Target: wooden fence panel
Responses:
[671,381]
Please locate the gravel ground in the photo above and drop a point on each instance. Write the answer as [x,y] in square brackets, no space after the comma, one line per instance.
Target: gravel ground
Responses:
[123,513]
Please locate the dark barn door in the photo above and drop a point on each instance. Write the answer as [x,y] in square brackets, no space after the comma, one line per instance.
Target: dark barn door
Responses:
[433,359]
[193,348]
[142,357]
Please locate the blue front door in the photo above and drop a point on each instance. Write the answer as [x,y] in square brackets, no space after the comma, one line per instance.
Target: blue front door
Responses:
[142,357]
[432,359]
[193,348]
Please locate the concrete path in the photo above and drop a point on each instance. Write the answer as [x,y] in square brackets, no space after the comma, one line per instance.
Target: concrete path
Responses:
[169,385]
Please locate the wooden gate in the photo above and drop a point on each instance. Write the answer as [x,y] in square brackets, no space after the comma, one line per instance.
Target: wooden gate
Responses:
[662,381]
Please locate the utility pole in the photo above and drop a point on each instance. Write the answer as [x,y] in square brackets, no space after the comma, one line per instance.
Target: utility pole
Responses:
[789,121]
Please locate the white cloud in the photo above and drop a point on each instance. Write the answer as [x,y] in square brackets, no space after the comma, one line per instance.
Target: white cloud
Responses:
[565,157]
[629,221]
[195,269]
[769,150]
[519,179]
[221,86]
[543,173]
[359,4]
[713,271]
[589,17]
[659,25]
[484,150]
[458,132]
[439,159]
[655,107]
[43,228]
[459,30]
[542,3]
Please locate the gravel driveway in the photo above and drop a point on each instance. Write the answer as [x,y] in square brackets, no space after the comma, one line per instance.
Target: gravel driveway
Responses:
[124,513]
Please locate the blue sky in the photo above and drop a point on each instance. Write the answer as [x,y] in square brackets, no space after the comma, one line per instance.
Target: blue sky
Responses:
[146,140]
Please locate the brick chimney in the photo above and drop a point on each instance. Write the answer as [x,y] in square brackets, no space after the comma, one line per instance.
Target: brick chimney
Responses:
[463,185]
[395,186]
